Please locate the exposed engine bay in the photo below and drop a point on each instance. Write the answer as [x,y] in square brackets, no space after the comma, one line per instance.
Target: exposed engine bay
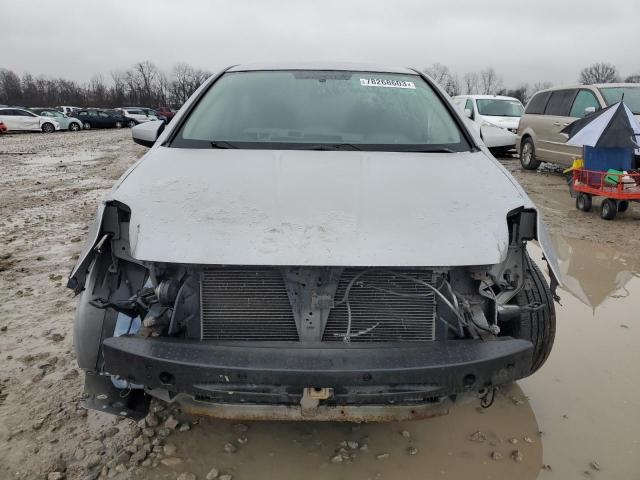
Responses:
[319,307]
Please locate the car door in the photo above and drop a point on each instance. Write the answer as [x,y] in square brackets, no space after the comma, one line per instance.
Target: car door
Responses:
[27,120]
[94,118]
[551,145]
[468,105]
[6,117]
[60,118]
[584,103]
[106,120]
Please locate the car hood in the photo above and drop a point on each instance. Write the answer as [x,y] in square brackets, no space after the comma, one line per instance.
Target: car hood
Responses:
[288,207]
[504,122]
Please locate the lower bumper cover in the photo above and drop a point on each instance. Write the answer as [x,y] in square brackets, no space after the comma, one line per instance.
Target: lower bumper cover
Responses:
[277,373]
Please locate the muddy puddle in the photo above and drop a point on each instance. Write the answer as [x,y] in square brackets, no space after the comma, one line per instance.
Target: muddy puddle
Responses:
[578,417]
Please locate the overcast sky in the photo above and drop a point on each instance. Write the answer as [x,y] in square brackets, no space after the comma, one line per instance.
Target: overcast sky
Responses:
[524,41]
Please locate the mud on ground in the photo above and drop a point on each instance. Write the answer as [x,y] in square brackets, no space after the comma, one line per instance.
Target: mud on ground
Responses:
[49,190]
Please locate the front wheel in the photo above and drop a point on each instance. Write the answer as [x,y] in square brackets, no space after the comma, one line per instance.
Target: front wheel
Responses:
[86,126]
[131,123]
[608,209]
[48,128]
[528,155]
[583,202]
[74,127]
[118,125]
[537,325]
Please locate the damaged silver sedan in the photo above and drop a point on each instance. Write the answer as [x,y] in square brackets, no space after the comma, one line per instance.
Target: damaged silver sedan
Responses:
[326,242]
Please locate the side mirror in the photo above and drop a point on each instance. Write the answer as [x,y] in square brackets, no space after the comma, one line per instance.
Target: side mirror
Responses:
[589,110]
[468,113]
[147,133]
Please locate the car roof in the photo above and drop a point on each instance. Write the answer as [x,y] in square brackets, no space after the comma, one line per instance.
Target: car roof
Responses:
[481,97]
[357,67]
[594,85]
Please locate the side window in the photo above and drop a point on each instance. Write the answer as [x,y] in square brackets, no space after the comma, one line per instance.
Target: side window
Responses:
[102,114]
[560,103]
[537,103]
[6,113]
[469,106]
[584,99]
[93,113]
[46,114]
[82,114]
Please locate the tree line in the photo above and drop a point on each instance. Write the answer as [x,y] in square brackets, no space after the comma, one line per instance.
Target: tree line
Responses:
[488,82]
[143,84]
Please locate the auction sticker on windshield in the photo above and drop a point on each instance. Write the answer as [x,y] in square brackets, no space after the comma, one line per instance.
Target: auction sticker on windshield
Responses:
[383,82]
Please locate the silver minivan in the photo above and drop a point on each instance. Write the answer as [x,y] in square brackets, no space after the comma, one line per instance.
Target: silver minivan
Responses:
[549,111]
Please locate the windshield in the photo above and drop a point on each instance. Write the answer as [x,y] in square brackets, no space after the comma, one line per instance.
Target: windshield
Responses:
[493,107]
[321,110]
[631,96]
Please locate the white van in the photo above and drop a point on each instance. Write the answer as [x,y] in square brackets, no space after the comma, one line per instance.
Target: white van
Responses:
[496,116]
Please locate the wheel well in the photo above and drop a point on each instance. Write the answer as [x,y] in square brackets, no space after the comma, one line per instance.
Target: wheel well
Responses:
[524,137]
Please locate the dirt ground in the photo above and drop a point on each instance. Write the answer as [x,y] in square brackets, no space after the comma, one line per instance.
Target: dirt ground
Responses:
[575,418]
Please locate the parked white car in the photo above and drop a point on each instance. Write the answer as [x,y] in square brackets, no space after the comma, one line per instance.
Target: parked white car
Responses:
[20,119]
[66,123]
[497,117]
[67,110]
[311,241]
[137,115]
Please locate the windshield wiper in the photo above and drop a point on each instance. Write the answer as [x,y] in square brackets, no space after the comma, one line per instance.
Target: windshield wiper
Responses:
[433,150]
[330,146]
[222,144]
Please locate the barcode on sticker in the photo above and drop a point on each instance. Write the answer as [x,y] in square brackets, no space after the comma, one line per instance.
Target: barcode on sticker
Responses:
[383,82]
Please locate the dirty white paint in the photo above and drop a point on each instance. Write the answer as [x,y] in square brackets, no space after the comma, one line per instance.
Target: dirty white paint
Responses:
[266,207]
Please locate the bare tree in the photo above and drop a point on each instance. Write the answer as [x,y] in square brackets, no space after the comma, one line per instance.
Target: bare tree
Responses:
[146,76]
[522,92]
[118,90]
[490,83]
[97,91]
[10,88]
[184,81]
[444,77]
[540,86]
[633,78]
[471,83]
[599,73]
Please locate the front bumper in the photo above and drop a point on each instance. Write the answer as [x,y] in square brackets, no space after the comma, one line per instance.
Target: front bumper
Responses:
[278,373]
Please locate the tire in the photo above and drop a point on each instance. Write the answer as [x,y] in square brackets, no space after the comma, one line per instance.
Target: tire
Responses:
[583,202]
[86,125]
[74,127]
[608,209]
[131,123]
[623,206]
[538,327]
[48,127]
[118,125]
[528,155]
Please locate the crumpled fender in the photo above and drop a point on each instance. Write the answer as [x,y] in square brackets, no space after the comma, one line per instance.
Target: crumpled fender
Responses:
[78,275]
[549,252]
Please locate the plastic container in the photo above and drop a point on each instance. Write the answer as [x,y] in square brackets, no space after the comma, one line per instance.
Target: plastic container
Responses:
[604,159]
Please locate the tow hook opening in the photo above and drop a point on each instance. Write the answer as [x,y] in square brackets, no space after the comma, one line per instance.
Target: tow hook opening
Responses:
[317,393]
[311,397]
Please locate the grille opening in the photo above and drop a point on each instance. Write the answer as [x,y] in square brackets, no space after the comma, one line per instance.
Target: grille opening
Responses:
[378,315]
[246,304]
[252,304]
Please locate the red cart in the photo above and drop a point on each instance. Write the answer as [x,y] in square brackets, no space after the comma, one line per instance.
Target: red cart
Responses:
[618,190]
